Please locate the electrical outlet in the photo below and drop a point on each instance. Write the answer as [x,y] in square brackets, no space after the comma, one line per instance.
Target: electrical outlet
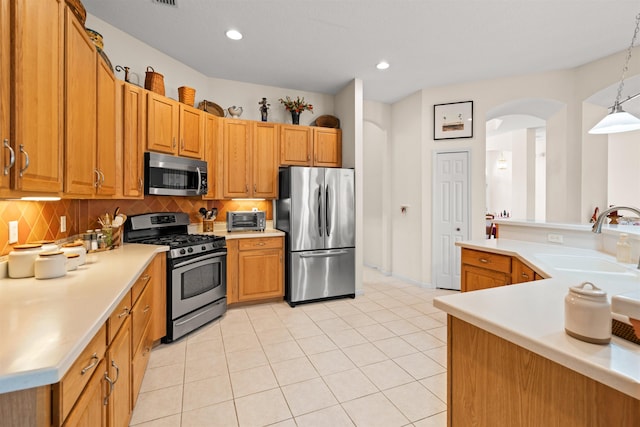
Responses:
[554,238]
[13,231]
[63,224]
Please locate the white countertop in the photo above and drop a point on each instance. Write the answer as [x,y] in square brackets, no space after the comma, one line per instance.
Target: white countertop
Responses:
[47,323]
[531,314]
[269,232]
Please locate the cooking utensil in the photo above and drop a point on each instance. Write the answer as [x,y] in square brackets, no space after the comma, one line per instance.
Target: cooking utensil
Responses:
[203,212]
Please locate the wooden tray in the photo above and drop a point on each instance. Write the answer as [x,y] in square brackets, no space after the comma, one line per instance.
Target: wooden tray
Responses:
[211,108]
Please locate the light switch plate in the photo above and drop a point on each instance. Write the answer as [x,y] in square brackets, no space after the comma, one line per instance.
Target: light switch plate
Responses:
[63,224]
[13,231]
[554,238]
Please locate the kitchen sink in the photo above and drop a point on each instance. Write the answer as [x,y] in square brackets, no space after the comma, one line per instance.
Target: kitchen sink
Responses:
[587,264]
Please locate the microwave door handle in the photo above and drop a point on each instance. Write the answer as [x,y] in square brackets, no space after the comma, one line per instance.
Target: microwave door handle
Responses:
[320,210]
[199,180]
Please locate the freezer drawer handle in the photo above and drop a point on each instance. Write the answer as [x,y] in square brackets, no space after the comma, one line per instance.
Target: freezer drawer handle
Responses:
[324,255]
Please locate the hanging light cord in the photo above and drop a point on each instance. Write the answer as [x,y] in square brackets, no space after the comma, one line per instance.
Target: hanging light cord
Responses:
[616,106]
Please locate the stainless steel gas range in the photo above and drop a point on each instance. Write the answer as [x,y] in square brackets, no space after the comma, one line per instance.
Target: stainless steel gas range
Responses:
[196,269]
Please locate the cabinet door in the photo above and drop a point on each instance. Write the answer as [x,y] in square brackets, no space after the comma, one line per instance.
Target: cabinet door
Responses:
[38,74]
[327,147]
[133,133]
[521,272]
[260,271]
[474,278]
[213,152]
[90,409]
[106,137]
[296,145]
[265,160]
[162,124]
[81,176]
[237,159]
[5,85]
[191,132]
[119,373]
[159,283]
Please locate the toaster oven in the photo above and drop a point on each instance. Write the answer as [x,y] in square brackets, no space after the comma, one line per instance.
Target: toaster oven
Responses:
[246,220]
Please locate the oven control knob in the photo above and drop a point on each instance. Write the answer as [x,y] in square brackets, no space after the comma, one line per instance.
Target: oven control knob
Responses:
[190,250]
[182,252]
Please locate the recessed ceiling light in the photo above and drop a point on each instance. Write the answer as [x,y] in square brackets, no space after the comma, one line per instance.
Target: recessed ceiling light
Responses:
[382,65]
[234,34]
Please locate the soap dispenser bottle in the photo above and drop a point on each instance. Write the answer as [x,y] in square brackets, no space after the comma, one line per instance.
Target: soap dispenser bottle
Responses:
[623,249]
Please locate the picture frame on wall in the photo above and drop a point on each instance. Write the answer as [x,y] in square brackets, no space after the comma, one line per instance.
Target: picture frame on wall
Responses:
[453,120]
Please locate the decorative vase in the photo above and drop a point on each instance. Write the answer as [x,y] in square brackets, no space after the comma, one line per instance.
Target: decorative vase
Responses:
[264,115]
[295,117]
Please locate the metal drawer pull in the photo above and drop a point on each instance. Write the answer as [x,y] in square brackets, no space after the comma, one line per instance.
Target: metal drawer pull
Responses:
[113,363]
[26,160]
[105,402]
[525,275]
[12,157]
[94,361]
[484,260]
[125,312]
[146,309]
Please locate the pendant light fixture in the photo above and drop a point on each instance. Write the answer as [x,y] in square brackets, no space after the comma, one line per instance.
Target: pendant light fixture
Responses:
[619,120]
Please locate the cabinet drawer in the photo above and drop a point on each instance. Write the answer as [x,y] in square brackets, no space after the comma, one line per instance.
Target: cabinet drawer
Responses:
[118,317]
[142,281]
[139,363]
[487,260]
[140,315]
[260,243]
[66,392]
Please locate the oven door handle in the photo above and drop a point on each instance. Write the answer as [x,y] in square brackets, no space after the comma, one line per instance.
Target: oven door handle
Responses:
[182,322]
[200,258]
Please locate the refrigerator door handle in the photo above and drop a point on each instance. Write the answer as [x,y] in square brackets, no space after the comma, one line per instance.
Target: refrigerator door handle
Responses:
[320,210]
[323,254]
[326,210]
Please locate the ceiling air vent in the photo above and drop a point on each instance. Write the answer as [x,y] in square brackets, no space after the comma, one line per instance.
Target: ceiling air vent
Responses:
[166,2]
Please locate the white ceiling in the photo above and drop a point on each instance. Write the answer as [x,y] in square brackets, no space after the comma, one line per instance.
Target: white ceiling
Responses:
[321,45]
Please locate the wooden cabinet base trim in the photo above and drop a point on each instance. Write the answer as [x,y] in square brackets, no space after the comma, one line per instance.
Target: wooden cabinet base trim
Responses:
[30,407]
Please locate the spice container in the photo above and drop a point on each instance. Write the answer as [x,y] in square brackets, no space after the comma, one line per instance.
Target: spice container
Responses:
[587,314]
[49,265]
[22,259]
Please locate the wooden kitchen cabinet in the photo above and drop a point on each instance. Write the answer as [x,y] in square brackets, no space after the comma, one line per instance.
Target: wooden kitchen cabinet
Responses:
[6,150]
[90,409]
[118,378]
[133,140]
[327,147]
[521,272]
[174,128]
[482,270]
[264,155]
[37,33]
[255,269]
[106,128]
[158,271]
[296,145]
[214,153]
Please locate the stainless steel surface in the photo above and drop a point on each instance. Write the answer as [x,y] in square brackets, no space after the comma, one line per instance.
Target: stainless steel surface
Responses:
[322,274]
[246,220]
[194,320]
[174,172]
[316,209]
[182,304]
[597,226]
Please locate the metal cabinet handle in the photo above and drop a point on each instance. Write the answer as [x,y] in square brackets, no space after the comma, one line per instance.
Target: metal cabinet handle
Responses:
[12,157]
[94,361]
[260,244]
[101,177]
[125,312]
[97,181]
[105,401]
[146,309]
[139,184]
[255,188]
[308,157]
[525,276]
[113,363]
[182,143]
[26,160]
[173,142]
[484,260]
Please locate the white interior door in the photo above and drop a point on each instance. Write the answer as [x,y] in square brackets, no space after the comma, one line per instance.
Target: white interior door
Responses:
[450,216]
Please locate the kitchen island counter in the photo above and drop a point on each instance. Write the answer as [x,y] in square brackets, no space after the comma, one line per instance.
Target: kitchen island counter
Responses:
[47,323]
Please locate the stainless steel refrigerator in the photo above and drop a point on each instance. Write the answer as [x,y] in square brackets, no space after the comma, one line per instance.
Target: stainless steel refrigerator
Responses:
[316,209]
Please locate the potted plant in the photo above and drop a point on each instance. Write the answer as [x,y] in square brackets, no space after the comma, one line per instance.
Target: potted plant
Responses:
[296,107]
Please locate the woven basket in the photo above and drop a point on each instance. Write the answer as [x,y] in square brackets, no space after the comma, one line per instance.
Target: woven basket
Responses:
[328,122]
[211,108]
[154,81]
[187,95]
[625,331]
[78,10]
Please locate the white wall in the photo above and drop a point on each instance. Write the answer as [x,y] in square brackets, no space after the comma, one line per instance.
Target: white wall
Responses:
[624,170]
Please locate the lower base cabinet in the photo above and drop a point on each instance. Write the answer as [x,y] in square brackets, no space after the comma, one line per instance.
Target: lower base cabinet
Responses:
[483,270]
[90,409]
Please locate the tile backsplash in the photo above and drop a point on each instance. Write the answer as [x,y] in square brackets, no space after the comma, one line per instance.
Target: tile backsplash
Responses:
[41,220]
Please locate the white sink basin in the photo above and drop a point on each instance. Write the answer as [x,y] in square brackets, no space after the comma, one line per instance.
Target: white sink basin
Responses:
[587,264]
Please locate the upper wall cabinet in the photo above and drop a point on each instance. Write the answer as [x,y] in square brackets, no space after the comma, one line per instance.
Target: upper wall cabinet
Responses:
[174,128]
[7,155]
[310,146]
[37,77]
[213,152]
[133,140]
[327,147]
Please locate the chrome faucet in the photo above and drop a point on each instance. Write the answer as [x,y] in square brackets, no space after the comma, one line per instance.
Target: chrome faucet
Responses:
[597,226]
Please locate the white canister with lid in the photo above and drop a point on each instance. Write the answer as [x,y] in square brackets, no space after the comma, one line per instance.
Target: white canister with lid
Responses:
[587,314]
[76,248]
[22,259]
[50,265]
[73,261]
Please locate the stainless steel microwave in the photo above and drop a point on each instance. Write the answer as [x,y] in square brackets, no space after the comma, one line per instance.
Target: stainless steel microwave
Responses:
[174,176]
[246,220]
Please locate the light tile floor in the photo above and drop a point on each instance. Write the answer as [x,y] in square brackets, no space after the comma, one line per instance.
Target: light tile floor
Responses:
[376,360]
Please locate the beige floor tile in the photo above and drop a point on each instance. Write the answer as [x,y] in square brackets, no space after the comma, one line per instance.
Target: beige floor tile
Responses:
[273,336]
[438,420]
[415,401]
[208,332]
[437,384]
[303,331]
[235,328]
[401,327]
[367,306]
[286,423]
[241,342]
[423,341]
[234,315]
[425,307]
[333,416]
[373,411]
[439,355]
[294,371]
[440,333]
[283,351]
[170,421]
[266,323]
[206,392]
[157,404]
[252,380]
[335,324]
[364,354]
[349,385]
[387,374]
[395,347]
[308,396]
[259,311]
[261,409]
[383,315]
[440,317]
[162,377]
[426,322]
[221,414]
[199,369]
[168,354]
[202,349]
[317,344]
[346,338]
[419,366]
[294,316]
[375,332]
[359,319]
[344,308]
[390,302]
[330,362]
[246,359]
